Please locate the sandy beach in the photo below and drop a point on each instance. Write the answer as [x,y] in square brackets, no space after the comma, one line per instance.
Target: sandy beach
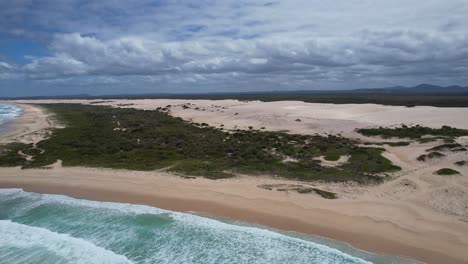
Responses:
[417,214]
[31,127]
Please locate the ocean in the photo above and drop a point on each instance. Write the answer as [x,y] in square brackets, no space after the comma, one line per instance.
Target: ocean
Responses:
[43,228]
[7,113]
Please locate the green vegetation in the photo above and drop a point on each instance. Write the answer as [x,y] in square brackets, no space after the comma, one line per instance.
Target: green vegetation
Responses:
[460,163]
[98,136]
[431,155]
[332,155]
[413,132]
[428,139]
[448,146]
[446,171]
[325,194]
[9,155]
[398,144]
[460,149]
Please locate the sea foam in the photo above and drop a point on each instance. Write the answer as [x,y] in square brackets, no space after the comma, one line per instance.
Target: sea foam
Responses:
[8,112]
[144,234]
[34,244]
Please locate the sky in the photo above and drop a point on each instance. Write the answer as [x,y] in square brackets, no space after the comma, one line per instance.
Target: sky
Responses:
[59,47]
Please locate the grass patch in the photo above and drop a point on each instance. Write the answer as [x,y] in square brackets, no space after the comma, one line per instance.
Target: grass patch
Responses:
[460,149]
[332,156]
[447,146]
[413,132]
[396,144]
[446,171]
[99,136]
[428,139]
[431,155]
[325,194]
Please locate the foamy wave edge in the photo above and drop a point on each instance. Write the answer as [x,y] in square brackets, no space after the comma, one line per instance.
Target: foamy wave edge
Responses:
[188,219]
[13,112]
[74,250]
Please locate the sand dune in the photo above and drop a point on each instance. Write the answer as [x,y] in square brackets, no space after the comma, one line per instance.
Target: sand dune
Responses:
[282,115]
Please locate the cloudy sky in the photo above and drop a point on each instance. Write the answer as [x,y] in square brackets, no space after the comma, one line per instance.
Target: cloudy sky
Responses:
[109,46]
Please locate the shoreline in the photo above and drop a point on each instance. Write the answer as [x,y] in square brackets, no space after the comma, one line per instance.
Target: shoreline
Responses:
[10,126]
[241,199]
[30,126]
[403,228]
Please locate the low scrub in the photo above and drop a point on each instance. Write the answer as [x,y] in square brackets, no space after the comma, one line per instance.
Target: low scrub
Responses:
[325,194]
[99,136]
[448,146]
[446,171]
[431,155]
[413,132]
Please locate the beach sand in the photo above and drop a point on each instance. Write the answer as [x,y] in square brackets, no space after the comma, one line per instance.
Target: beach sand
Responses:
[417,214]
[31,127]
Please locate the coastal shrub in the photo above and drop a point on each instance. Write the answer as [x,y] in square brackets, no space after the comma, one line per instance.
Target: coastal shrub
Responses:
[332,156]
[9,156]
[413,132]
[428,139]
[325,194]
[446,171]
[460,149]
[431,155]
[125,138]
[445,146]
[398,144]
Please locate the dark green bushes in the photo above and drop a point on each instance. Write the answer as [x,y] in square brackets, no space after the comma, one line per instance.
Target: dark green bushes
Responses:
[447,146]
[431,155]
[447,171]
[9,156]
[325,194]
[98,136]
[413,132]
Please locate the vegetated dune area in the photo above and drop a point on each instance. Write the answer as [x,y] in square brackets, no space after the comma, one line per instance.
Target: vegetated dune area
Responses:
[419,210]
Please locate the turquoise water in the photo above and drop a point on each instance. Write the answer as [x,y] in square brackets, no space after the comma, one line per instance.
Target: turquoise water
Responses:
[8,113]
[43,228]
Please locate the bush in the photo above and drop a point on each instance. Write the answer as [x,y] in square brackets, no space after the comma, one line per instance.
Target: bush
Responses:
[447,171]
[414,132]
[445,146]
[325,194]
[332,156]
[431,155]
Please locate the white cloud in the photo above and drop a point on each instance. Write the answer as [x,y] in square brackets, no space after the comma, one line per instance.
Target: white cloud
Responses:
[5,65]
[295,43]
